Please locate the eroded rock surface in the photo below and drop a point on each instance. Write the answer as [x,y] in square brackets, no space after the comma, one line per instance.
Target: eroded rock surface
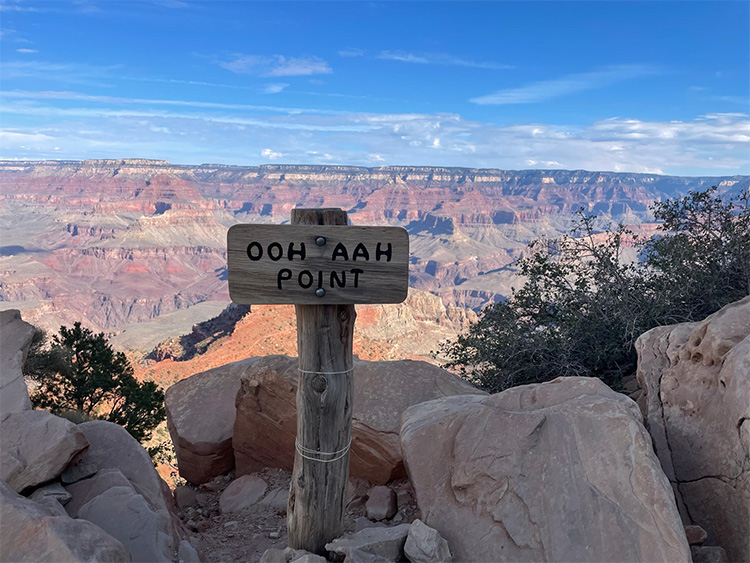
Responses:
[559,471]
[265,426]
[36,447]
[696,381]
[15,339]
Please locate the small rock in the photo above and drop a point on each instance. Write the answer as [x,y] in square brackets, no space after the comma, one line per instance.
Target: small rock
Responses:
[201,499]
[191,524]
[273,556]
[274,535]
[278,498]
[214,486]
[381,503]
[361,523]
[54,505]
[184,496]
[242,493]
[231,524]
[187,553]
[52,491]
[695,535]
[203,526]
[425,545]
[398,518]
[708,554]
[403,497]
[78,472]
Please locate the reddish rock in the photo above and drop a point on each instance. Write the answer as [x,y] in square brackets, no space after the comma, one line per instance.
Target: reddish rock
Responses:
[695,535]
[265,426]
[200,418]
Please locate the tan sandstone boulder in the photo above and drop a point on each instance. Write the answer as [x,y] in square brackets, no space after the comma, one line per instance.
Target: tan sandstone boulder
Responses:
[36,447]
[33,533]
[126,497]
[200,418]
[265,425]
[696,400]
[15,339]
[559,471]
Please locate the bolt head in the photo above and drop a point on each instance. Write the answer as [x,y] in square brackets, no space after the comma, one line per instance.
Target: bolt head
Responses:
[320,241]
[320,292]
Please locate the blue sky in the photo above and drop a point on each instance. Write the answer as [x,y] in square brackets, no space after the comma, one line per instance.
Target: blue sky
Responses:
[658,87]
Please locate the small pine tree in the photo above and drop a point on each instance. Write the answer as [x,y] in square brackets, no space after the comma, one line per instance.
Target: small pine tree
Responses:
[79,373]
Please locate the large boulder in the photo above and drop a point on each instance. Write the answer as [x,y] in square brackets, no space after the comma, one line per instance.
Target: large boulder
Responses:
[559,471]
[200,418]
[15,339]
[265,426]
[33,533]
[36,447]
[696,400]
[126,497]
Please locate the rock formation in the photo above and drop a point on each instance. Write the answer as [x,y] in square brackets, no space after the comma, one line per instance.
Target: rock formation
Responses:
[265,422]
[559,471]
[15,335]
[696,400]
[93,492]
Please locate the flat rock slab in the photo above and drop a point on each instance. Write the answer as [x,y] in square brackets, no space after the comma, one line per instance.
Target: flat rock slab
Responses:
[559,471]
[33,533]
[242,493]
[200,418]
[387,543]
[36,447]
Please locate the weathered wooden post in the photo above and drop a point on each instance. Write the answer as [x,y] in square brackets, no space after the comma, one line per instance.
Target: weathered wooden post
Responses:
[323,267]
[317,493]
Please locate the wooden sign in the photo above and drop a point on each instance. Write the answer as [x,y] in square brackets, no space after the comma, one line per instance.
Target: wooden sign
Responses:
[317,264]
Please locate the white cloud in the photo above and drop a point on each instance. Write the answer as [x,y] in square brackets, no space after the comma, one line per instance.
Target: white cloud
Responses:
[274,88]
[439,59]
[26,51]
[186,133]
[351,52]
[570,84]
[271,155]
[276,65]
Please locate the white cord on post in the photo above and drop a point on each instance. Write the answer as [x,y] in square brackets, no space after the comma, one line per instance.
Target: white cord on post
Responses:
[339,454]
[325,372]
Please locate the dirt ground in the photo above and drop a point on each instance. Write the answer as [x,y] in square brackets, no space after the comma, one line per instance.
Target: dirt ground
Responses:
[245,536]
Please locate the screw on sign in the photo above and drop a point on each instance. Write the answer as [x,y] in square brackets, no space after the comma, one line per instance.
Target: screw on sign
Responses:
[323,267]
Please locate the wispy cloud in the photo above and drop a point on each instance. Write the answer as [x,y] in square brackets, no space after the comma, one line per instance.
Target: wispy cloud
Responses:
[351,52]
[275,65]
[439,59]
[26,51]
[570,84]
[117,100]
[274,88]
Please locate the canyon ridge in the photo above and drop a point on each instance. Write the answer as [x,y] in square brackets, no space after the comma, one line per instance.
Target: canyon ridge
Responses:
[137,248]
